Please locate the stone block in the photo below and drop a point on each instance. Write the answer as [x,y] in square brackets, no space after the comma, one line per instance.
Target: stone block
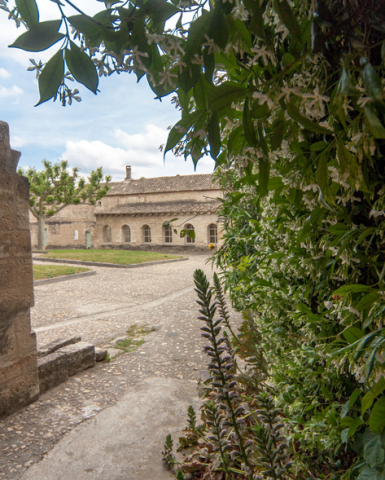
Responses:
[52,347]
[79,357]
[100,354]
[52,370]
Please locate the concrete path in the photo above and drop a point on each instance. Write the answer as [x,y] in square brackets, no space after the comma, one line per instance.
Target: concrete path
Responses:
[124,441]
[99,415]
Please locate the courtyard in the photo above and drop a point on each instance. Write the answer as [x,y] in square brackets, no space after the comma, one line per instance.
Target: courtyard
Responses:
[166,366]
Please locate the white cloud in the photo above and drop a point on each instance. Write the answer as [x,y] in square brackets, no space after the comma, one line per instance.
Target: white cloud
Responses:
[17,142]
[141,151]
[4,73]
[14,91]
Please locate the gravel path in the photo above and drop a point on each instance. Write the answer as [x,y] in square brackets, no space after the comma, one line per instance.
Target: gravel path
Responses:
[100,308]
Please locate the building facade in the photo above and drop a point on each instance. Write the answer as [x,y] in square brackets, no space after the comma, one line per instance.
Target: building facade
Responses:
[132,215]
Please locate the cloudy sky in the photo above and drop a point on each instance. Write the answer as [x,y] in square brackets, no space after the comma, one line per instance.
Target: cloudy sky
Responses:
[122,125]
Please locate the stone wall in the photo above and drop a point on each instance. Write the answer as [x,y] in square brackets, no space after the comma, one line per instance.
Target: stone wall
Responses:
[155,222]
[19,384]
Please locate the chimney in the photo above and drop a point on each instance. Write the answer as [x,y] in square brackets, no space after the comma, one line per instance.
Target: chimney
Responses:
[128,172]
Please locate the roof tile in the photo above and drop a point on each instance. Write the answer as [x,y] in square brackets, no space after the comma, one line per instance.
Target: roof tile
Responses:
[179,207]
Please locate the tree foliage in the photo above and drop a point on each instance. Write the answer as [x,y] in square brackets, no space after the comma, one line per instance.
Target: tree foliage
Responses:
[287,96]
[55,187]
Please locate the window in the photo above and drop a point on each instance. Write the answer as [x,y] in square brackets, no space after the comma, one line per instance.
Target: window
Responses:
[126,234]
[106,234]
[146,234]
[190,233]
[76,235]
[168,234]
[213,233]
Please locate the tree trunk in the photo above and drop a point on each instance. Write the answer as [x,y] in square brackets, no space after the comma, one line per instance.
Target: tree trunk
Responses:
[40,233]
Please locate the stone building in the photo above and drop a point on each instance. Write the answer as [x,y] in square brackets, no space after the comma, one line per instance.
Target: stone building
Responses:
[132,215]
[19,384]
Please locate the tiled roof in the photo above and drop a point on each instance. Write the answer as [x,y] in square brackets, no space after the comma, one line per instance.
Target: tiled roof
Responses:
[178,183]
[179,207]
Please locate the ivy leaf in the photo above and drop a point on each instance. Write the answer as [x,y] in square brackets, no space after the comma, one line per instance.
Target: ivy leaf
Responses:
[375,126]
[295,114]
[214,135]
[51,77]
[224,95]
[39,37]
[372,82]
[372,394]
[29,11]
[82,67]
[248,125]
[377,417]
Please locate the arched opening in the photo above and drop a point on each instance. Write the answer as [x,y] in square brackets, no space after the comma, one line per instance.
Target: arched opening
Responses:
[190,233]
[146,233]
[126,234]
[167,234]
[213,233]
[106,234]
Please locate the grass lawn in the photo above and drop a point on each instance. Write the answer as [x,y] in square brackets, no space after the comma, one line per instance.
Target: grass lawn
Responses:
[41,272]
[120,257]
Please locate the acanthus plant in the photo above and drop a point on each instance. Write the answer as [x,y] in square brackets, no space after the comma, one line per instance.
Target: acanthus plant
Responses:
[228,440]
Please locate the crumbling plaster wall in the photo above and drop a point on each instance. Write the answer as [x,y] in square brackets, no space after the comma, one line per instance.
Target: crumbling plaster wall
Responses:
[19,383]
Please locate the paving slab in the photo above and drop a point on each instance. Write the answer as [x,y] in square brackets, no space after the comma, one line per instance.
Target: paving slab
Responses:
[124,441]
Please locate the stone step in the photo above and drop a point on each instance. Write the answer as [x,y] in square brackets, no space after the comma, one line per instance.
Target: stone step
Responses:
[52,347]
[55,368]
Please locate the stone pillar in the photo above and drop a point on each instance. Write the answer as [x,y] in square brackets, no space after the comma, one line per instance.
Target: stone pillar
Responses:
[19,383]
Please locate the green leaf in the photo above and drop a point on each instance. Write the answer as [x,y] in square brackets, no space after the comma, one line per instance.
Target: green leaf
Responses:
[180,129]
[235,140]
[86,25]
[214,135]
[373,452]
[275,183]
[162,12]
[51,77]
[256,18]
[287,59]
[39,37]
[209,64]
[372,394]
[196,35]
[372,82]
[225,94]
[349,165]
[82,67]
[248,125]
[368,301]
[29,11]
[264,173]
[318,146]
[370,474]
[348,405]
[200,91]
[352,334]
[322,172]
[377,417]
[353,423]
[259,111]
[218,27]
[352,289]
[295,114]
[277,136]
[375,126]
[287,16]
[345,86]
